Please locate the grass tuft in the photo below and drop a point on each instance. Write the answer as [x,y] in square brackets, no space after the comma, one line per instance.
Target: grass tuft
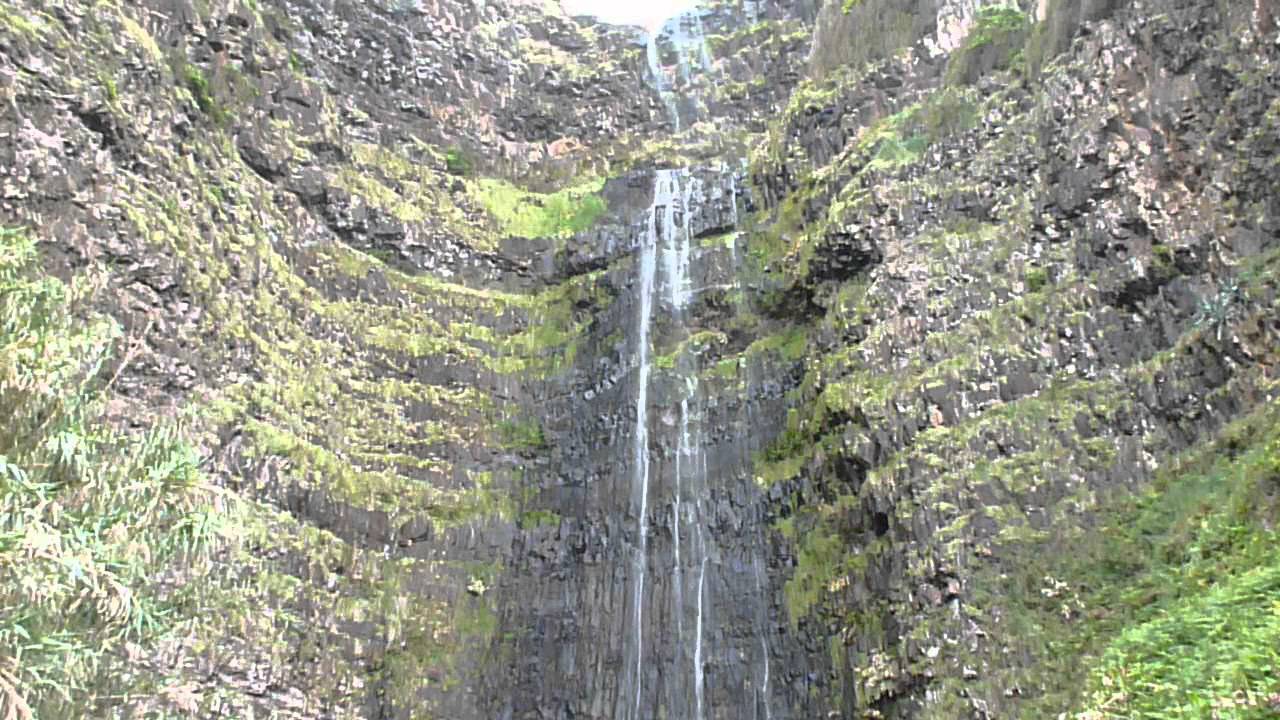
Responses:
[100,531]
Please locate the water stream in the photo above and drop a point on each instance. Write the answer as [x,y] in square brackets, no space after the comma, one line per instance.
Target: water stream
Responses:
[640,484]
[665,258]
[666,290]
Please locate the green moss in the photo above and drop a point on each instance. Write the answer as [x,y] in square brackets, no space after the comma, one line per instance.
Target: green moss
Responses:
[539,518]
[695,345]
[522,435]
[790,344]
[194,80]
[558,321]
[407,183]
[1037,279]
[521,213]
[457,162]
[820,564]
[29,25]
[726,368]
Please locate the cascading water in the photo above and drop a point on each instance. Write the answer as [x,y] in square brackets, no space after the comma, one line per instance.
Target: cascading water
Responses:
[688,39]
[653,597]
[658,672]
[660,81]
[640,484]
[665,256]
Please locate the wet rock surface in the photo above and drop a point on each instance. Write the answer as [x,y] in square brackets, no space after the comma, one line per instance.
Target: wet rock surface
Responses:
[912,312]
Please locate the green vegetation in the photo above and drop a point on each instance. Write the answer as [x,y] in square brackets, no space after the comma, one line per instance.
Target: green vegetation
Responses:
[1037,278]
[457,162]
[993,23]
[789,344]
[1178,590]
[523,436]
[103,535]
[194,80]
[32,26]
[996,42]
[521,213]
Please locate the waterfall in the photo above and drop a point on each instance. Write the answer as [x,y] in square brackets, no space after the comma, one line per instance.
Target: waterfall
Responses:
[680,294]
[665,258]
[665,285]
[640,483]
[764,643]
[660,81]
[688,38]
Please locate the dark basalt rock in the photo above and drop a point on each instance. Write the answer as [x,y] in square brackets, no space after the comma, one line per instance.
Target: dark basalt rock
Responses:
[441,417]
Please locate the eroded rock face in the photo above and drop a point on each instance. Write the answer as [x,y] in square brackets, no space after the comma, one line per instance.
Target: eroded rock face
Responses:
[858,316]
[572,602]
[1011,326]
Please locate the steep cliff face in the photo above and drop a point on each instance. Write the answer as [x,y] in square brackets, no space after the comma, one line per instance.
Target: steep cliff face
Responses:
[1037,279]
[802,360]
[311,257]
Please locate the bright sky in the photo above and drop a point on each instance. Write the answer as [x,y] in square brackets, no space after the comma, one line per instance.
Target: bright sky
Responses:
[646,13]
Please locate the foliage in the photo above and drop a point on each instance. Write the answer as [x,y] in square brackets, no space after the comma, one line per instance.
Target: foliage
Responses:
[994,22]
[996,42]
[457,163]
[201,91]
[1212,655]
[1208,643]
[100,531]
[1168,608]
[522,435]
[521,213]
[1220,308]
[1037,278]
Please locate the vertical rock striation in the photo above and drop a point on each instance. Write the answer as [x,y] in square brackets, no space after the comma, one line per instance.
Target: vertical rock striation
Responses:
[764,367]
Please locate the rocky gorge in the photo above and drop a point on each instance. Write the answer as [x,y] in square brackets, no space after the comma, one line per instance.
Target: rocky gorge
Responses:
[828,358]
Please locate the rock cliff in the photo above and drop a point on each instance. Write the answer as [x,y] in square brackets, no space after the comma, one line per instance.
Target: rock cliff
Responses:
[857,358]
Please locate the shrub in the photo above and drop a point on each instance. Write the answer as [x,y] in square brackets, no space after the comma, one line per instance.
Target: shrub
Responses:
[193,78]
[457,163]
[99,530]
[995,43]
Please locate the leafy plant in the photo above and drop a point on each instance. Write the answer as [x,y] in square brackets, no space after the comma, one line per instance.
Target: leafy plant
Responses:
[1037,279]
[457,163]
[522,436]
[1219,309]
[996,42]
[100,531]
[198,85]
[994,22]
[1172,604]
